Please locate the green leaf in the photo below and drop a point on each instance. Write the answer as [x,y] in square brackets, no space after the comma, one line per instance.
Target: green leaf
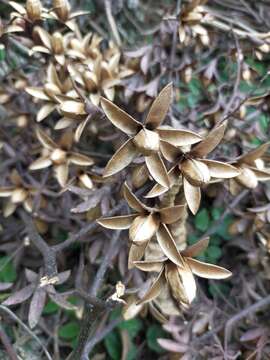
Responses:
[211,88]
[256,141]
[213,253]
[215,240]
[257,66]
[202,220]
[132,326]
[193,100]
[219,289]
[195,87]
[264,122]
[202,257]
[115,313]
[7,270]
[155,332]
[132,352]
[183,103]
[226,69]
[192,239]
[50,308]
[246,87]
[61,235]
[69,331]
[222,230]
[113,345]
[216,213]
[89,5]
[2,52]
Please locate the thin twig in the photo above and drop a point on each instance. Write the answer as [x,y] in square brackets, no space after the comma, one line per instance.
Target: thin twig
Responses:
[142,30]
[11,353]
[112,23]
[174,40]
[26,328]
[242,314]
[239,57]
[105,264]
[250,94]
[94,310]
[48,253]
[217,223]
[99,337]
[87,229]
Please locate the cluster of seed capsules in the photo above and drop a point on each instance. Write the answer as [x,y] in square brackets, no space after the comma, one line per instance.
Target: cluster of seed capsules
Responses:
[81,78]
[186,151]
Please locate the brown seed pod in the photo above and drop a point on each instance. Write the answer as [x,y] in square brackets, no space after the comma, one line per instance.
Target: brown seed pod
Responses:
[33,9]
[62,9]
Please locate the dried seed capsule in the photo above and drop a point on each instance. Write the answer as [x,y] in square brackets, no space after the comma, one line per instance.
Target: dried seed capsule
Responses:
[57,43]
[51,90]
[196,172]
[181,282]
[19,195]
[33,9]
[147,141]
[139,176]
[62,9]
[247,178]
[58,156]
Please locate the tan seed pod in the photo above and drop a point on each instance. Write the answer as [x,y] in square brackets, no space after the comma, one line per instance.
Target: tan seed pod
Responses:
[90,80]
[139,176]
[57,43]
[143,228]
[265,48]
[62,9]
[131,309]
[33,9]
[246,74]
[22,121]
[196,172]
[142,103]
[94,213]
[86,180]
[19,195]
[58,156]
[51,90]
[247,178]
[181,282]
[147,141]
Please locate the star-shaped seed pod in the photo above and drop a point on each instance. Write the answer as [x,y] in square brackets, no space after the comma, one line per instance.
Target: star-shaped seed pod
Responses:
[145,138]
[84,179]
[18,194]
[31,13]
[147,222]
[194,169]
[251,167]
[76,112]
[191,23]
[53,88]
[59,156]
[54,45]
[86,48]
[99,77]
[181,280]
[62,12]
